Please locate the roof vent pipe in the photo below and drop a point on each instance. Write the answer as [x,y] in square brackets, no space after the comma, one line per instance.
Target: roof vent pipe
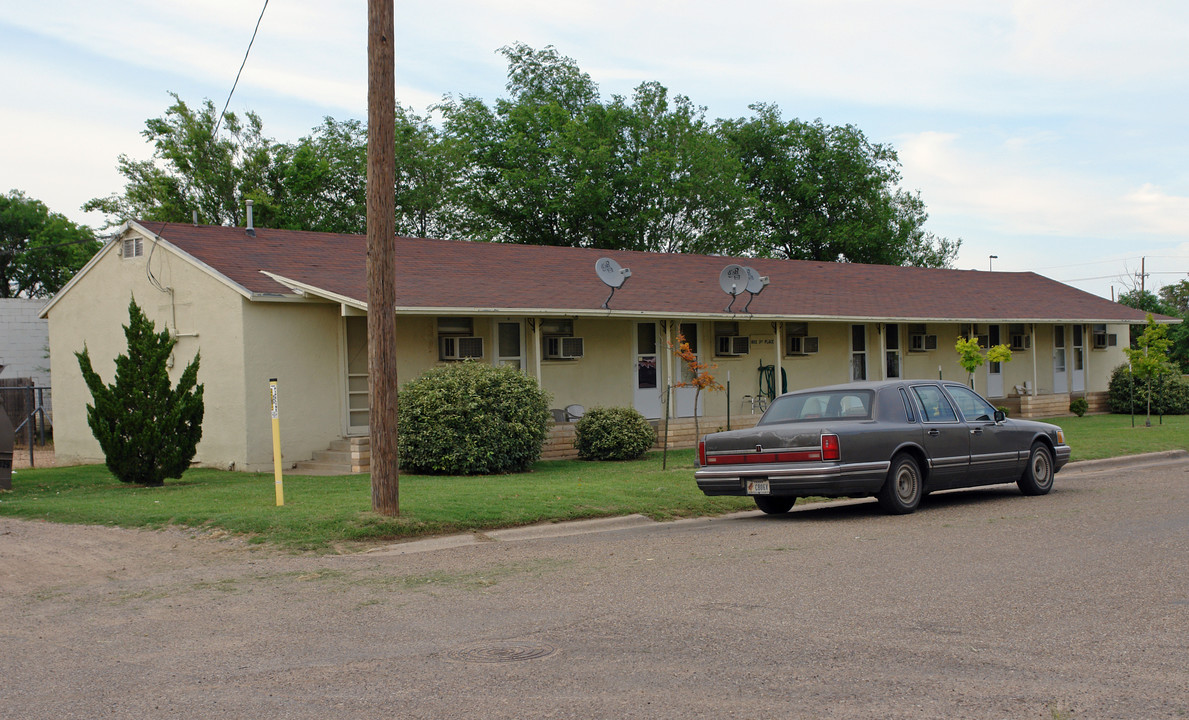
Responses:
[251,230]
[195,218]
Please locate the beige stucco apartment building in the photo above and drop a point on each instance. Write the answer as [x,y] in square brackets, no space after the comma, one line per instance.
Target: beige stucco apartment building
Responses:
[262,303]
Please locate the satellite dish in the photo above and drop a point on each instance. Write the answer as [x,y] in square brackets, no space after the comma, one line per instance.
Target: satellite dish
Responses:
[733,281]
[755,285]
[612,275]
[755,282]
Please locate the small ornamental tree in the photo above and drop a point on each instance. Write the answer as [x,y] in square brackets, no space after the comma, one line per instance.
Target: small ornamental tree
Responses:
[1149,358]
[147,430]
[971,358]
[699,375]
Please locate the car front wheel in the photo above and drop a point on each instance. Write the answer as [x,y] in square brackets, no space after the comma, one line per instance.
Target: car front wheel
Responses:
[1038,475]
[902,491]
[774,505]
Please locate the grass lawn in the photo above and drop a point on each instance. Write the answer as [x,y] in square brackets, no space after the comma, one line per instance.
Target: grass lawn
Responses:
[329,513]
[1101,436]
[333,513]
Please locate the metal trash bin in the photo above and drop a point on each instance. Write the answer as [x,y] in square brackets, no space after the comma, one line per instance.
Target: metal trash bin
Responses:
[6,443]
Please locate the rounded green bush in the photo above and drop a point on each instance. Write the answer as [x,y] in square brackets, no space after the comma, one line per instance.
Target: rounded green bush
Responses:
[472,419]
[1170,394]
[1079,406]
[615,433]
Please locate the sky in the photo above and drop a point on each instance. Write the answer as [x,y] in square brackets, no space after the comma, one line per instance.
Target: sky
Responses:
[1050,134]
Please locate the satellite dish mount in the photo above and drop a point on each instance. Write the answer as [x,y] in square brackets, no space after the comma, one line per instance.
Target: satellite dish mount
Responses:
[738,279]
[755,285]
[612,275]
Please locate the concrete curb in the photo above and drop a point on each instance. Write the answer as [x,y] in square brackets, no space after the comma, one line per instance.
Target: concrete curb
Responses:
[1125,461]
[625,522]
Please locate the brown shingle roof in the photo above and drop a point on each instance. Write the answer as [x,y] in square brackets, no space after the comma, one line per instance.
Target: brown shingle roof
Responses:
[448,274]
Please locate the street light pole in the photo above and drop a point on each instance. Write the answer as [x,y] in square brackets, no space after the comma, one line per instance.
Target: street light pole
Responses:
[991,259]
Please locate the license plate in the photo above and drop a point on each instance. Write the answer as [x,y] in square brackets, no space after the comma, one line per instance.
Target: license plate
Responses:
[758,487]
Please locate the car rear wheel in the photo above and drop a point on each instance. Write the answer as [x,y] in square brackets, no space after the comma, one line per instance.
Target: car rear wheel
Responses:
[902,491]
[774,505]
[1038,475]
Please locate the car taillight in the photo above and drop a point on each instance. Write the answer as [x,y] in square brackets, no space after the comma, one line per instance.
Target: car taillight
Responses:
[830,448]
[702,454]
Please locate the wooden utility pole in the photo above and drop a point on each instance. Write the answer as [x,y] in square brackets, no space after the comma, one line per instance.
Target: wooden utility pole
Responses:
[381,255]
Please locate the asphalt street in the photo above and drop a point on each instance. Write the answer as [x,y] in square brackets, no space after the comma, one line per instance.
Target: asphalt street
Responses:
[983,604]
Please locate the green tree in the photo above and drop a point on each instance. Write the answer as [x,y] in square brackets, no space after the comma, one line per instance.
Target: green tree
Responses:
[1149,358]
[319,183]
[1169,302]
[825,192]
[1176,297]
[537,165]
[147,430]
[971,357]
[192,169]
[39,250]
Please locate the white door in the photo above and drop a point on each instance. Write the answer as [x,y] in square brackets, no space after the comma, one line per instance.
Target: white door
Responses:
[1078,378]
[509,344]
[647,396]
[358,401]
[994,369]
[683,397]
[1060,377]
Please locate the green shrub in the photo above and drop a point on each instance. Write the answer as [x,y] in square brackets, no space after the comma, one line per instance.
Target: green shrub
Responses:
[615,433]
[1170,394]
[472,419]
[1079,406]
[147,430]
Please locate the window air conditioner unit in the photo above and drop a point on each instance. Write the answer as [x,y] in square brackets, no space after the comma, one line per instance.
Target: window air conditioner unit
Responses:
[1021,342]
[1103,340]
[802,346]
[733,345]
[563,348]
[922,343]
[451,347]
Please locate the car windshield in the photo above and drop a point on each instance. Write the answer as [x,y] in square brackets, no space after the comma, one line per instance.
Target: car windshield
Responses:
[820,404]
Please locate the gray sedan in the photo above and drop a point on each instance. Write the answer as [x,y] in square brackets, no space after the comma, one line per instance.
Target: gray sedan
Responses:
[896,440]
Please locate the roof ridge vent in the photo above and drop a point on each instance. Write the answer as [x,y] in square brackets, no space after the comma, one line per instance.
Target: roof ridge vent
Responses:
[251,229]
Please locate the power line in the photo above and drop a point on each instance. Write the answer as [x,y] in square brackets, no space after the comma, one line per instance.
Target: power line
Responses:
[241,69]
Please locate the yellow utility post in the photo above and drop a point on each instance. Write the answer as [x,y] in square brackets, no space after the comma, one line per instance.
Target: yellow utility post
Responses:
[276,443]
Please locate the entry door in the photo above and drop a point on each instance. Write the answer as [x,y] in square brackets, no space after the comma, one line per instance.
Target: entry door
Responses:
[1079,359]
[1060,376]
[994,369]
[647,396]
[683,397]
[357,378]
[509,344]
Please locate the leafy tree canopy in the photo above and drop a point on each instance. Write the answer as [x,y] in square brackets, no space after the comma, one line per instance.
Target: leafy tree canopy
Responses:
[39,250]
[554,164]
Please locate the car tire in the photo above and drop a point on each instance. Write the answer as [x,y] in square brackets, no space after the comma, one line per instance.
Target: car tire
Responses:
[902,491]
[774,505]
[1038,475]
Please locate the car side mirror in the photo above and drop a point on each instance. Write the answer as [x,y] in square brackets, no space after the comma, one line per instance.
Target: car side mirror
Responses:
[1000,416]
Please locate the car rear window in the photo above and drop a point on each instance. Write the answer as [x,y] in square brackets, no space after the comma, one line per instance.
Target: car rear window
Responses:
[827,405]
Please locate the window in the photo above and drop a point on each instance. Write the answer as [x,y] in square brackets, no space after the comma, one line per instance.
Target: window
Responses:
[797,340]
[892,350]
[728,341]
[456,339]
[558,341]
[934,405]
[973,407]
[829,405]
[133,247]
[858,355]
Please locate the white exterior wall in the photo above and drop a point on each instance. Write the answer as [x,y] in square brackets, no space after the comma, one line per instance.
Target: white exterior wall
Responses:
[93,312]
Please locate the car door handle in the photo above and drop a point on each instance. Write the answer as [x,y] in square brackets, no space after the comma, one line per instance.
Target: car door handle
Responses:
[934,432]
[976,431]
